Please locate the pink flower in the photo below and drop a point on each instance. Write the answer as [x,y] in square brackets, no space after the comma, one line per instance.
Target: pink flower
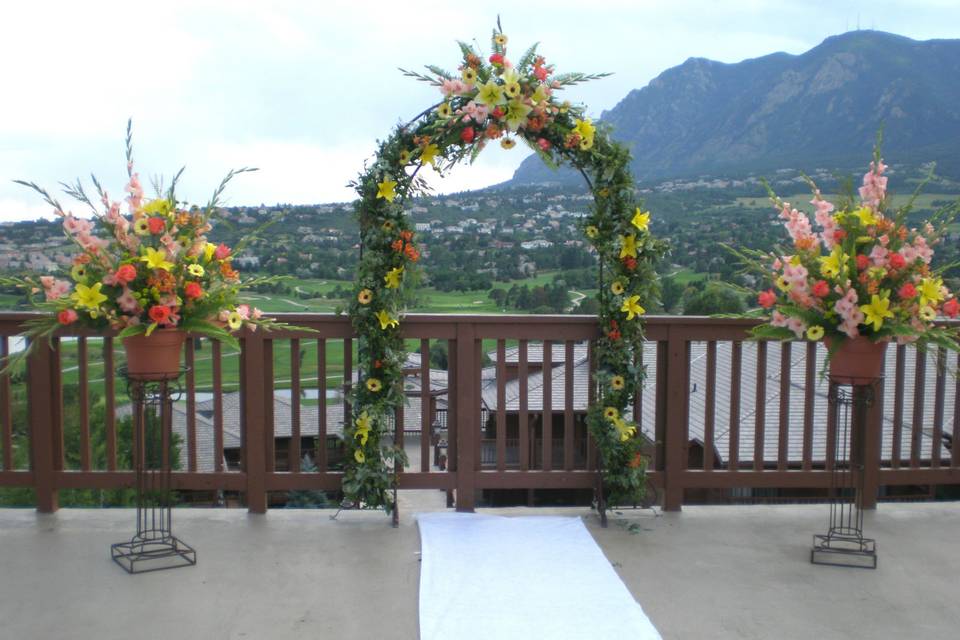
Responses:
[243,311]
[874,186]
[924,252]
[544,144]
[909,254]
[798,326]
[222,252]
[256,314]
[541,73]
[878,255]
[127,303]
[798,225]
[54,289]
[135,200]
[778,319]
[477,112]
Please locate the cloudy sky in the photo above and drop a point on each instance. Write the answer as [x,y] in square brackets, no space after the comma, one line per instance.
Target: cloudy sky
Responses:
[304,89]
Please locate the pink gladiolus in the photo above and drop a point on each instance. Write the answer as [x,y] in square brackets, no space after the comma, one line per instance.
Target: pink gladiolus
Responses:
[874,186]
[924,252]
[878,255]
[798,326]
[243,311]
[127,303]
[256,314]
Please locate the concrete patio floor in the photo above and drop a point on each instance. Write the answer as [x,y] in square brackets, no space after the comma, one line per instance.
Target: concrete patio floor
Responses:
[708,572]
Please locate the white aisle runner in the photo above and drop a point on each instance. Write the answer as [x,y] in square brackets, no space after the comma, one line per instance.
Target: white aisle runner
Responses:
[495,578]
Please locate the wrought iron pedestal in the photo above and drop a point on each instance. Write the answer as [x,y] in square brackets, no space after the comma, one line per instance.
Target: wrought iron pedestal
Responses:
[154,546]
[844,543]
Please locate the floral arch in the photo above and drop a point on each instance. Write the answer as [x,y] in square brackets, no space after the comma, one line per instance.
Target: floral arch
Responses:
[485,101]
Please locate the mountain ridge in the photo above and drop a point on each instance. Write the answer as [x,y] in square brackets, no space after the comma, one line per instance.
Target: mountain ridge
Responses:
[819,108]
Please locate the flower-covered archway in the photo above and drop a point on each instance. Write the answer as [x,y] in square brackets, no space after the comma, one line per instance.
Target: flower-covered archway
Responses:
[493,100]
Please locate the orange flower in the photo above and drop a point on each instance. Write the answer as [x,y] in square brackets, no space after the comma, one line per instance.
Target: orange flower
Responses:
[407,235]
[397,245]
[412,253]
[493,132]
[636,462]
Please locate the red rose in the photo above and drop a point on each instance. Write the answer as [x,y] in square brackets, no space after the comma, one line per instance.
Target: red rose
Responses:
[541,73]
[159,313]
[126,274]
[193,290]
[498,112]
[951,307]
[897,261]
[821,289]
[907,291]
[839,235]
[496,58]
[767,298]
[862,262]
[156,225]
[468,134]
[69,316]
[630,263]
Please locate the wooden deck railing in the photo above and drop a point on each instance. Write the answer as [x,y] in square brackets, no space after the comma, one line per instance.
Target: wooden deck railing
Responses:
[723,414]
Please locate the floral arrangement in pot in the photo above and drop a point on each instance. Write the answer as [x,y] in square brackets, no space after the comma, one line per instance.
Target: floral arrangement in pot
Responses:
[861,278]
[151,274]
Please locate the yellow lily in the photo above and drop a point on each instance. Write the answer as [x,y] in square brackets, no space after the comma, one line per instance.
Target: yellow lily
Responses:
[429,154]
[387,190]
[208,250]
[624,428]
[930,293]
[641,220]
[491,94]
[830,265]
[876,311]
[386,320]
[393,277]
[584,128]
[631,306]
[156,259]
[628,246]
[865,214]
[88,297]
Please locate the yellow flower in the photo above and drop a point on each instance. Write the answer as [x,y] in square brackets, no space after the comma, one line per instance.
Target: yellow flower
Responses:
[500,39]
[362,435]
[386,320]
[359,457]
[469,75]
[429,154]
[512,89]
[387,190]
[930,293]
[208,250]
[592,231]
[491,94]
[374,385]
[404,157]
[365,296]
[782,284]
[393,277]
[876,311]
[540,94]
[585,129]
[444,110]
[814,333]
[586,144]
[387,226]
[88,297]
[631,306]
[157,207]
[79,273]
[830,265]
[611,413]
[508,143]
[617,382]
[616,287]
[363,422]
[928,314]
[564,106]
[195,270]
[517,113]
[628,246]
[624,428]
[234,320]
[641,220]
[141,227]
[865,215]
[156,259]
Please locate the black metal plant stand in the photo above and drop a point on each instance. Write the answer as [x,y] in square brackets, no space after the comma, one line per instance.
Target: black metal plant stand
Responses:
[844,543]
[154,547]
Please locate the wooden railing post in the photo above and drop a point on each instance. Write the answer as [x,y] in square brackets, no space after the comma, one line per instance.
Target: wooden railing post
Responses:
[254,416]
[44,434]
[468,410]
[872,448]
[677,397]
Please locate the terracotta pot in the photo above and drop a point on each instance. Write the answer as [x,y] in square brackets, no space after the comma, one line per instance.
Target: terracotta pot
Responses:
[154,357]
[857,361]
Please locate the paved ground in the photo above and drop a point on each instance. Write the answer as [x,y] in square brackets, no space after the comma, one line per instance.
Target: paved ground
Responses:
[709,572]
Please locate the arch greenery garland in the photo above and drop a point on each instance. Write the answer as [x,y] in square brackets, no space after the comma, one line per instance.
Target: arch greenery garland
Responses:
[486,101]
